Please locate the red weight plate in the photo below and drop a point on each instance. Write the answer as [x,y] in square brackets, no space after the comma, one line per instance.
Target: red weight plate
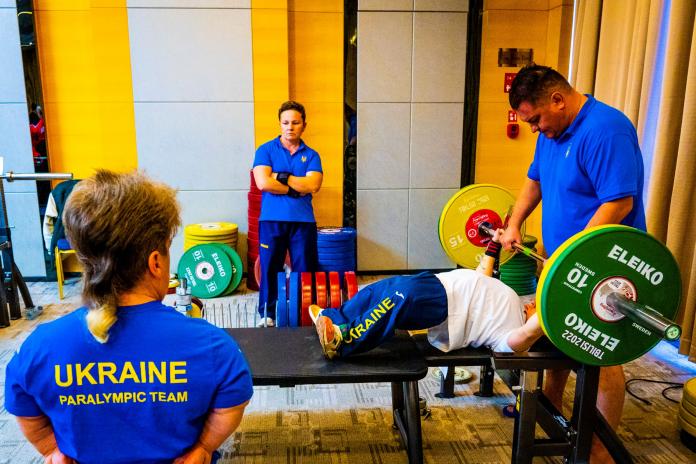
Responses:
[253,236]
[334,290]
[320,286]
[306,301]
[351,284]
[254,197]
[252,180]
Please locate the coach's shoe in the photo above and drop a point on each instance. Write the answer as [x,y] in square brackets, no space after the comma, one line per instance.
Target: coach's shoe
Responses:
[266,322]
[329,333]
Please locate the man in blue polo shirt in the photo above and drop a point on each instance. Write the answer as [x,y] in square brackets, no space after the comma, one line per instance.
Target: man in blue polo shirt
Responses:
[588,169]
[288,172]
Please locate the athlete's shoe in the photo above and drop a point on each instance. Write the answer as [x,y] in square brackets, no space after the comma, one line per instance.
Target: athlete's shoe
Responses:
[329,333]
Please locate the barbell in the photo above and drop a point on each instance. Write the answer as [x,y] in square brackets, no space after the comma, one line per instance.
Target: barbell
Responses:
[605,297]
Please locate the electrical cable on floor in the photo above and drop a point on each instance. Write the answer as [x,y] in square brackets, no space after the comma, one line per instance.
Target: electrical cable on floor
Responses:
[672,386]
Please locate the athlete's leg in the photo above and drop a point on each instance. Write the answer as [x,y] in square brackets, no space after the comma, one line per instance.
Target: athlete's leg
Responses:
[371,317]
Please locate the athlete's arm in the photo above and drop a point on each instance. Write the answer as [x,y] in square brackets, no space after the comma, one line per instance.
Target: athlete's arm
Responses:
[266,182]
[487,264]
[528,199]
[218,426]
[39,432]
[611,212]
[523,337]
[311,183]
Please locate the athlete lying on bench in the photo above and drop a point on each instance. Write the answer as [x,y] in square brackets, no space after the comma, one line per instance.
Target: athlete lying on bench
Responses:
[459,308]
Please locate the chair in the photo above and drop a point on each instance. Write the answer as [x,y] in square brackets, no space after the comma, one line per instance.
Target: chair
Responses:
[63,251]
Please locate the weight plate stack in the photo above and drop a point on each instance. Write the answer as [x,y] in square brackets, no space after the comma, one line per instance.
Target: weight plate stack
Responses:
[461,216]
[294,303]
[687,414]
[253,212]
[306,282]
[336,249]
[321,289]
[237,267]
[210,232]
[208,270]
[588,267]
[519,272]
[334,290]
[282,303]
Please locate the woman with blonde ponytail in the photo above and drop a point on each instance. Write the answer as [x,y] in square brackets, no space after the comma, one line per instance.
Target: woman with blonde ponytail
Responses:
[126,378]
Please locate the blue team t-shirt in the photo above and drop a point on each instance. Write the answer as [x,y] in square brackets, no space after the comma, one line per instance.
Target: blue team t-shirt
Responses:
[141,397]
[276,207]
[597,159]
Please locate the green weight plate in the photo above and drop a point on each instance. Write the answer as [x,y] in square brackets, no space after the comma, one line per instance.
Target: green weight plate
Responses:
[548,265]
[208,270]
[461,216]
[237,267]
[518,272]
[584,271]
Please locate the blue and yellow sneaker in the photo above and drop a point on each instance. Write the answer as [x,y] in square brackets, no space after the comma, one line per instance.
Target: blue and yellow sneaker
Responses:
[330,336]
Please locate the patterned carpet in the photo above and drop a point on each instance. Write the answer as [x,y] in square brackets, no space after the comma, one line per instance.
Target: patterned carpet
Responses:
[340,424]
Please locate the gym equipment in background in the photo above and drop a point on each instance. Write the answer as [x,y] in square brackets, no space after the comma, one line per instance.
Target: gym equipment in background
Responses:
[12,284]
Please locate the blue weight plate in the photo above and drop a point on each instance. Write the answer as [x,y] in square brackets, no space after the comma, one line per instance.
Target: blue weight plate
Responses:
[336,256]
[337,264]
[339,232]
[282,305]
[294,300]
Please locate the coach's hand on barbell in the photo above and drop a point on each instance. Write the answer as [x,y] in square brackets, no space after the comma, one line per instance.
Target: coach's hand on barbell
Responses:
[510,236]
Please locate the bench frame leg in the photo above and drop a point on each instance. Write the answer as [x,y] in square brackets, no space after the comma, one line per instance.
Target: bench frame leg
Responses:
[407,418]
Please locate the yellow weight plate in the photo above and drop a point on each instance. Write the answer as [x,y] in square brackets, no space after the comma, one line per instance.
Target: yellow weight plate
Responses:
[210,229]
[689,405]
[690,390]
[461,216]
[686,426]
[687,416]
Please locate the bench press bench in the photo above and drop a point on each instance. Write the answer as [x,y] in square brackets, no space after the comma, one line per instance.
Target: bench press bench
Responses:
[523,373]
[291,356]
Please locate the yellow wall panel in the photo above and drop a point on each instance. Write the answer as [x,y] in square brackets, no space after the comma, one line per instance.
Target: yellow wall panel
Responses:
[321,6]
[316,79]
[88,94]
[275,4]
[509,24]
[269,32]
[298,54]
[316,56]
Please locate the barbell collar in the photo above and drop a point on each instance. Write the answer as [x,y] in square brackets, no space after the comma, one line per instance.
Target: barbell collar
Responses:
[486,229]
[640,314]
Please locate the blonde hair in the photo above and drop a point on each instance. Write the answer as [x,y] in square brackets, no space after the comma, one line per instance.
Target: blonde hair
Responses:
[114,221]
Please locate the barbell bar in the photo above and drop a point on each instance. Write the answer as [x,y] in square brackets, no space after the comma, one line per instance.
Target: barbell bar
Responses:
[666,328]
[605,297]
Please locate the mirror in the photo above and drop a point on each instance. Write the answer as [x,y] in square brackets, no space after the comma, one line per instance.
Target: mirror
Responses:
[32,83]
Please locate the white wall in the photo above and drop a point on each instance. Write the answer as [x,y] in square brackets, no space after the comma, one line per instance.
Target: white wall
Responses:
[193,97]
[411,65]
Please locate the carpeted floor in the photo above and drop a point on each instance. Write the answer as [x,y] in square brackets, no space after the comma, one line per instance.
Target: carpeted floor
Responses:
[335,424]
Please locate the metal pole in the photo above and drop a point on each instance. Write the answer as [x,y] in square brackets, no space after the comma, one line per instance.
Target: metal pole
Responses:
[12,176]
